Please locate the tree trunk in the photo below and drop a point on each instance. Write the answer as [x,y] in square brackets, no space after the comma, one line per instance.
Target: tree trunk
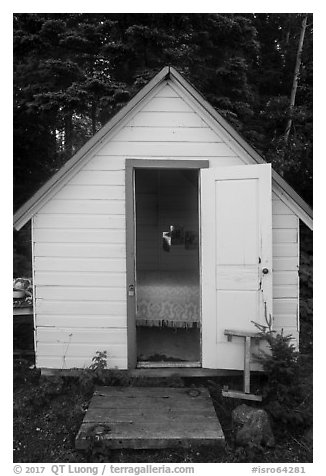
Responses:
[68,136]
[93,117]
[295,79]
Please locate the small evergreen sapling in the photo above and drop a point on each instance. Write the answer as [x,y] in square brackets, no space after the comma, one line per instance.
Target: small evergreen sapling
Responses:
[283,393]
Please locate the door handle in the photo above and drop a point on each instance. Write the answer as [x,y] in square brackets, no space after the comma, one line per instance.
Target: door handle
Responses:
[265,270]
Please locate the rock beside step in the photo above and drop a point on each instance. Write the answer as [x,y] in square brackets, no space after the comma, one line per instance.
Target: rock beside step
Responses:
[252,427]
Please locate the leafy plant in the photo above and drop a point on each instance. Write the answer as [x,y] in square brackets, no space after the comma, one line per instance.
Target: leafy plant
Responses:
[99,362]
[95,373]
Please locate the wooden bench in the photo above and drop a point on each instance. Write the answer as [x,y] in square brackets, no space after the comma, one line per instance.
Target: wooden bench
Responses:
[247,336]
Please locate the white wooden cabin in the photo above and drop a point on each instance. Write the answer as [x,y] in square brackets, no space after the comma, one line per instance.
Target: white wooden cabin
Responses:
[163,231]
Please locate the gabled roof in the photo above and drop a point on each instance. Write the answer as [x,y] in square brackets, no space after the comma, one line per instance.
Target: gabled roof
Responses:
[282,189]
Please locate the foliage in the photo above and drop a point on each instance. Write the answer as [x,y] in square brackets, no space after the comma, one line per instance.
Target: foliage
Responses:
[306,291]
[279,35]
[46,432]
[22,252]
[73,71]
[42,394]
[99,362]
[285,393]
[48,412]
[95,373]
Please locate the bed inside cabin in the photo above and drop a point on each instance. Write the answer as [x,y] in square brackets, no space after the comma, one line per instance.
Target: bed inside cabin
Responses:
[167,266]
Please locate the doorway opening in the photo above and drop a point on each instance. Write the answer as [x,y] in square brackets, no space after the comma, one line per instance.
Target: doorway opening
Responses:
[168,330]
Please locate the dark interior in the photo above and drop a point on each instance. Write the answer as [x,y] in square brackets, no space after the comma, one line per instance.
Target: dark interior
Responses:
[167,265]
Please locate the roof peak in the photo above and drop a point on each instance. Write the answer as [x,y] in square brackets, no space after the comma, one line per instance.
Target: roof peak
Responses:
[73,165]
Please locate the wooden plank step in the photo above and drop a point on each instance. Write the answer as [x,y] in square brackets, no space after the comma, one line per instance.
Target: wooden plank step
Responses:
[161,392]
[132,415]
[148,417]
[148,402]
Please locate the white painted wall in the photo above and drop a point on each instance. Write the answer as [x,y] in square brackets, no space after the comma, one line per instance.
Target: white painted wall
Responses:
[79,238]
[285,269]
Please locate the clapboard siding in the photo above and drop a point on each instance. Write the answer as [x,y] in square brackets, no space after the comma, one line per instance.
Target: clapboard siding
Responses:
[112,207]
[73,264]
[79,250]
[285,263]
[166,134]
[286,306]
[79,221]
[285,291]
[102,163]
[280,208]
[114,163]
[285,278]
[85,321]
[285,268]
[284,221]
[59,278]
[93,192]
[167,104]
[171,119]
[285,235]
[102,177]
[285,320]
[285,249]
[80,293]
[79,335]
[167,92]
[168,149]
[67,362]
[70,343]
[79,350]
[79,237]
[76,308]
[45,235]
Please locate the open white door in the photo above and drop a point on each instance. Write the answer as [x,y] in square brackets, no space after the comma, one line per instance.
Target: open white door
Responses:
[236,240]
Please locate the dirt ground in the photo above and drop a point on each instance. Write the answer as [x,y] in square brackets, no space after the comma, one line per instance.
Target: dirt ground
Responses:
[48,413]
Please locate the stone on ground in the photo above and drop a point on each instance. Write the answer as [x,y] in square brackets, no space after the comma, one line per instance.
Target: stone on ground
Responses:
[252,427]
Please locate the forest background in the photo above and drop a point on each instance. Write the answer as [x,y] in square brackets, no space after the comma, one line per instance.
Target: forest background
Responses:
[74,71]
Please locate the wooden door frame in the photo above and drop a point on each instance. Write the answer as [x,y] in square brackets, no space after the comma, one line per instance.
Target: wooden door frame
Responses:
[130,166]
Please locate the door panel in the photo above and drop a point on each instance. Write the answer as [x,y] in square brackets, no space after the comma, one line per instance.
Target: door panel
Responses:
[236,223]
[236,203]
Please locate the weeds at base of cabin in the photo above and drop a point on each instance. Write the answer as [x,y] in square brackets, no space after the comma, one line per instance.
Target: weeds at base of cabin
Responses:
[95,373]
[48,412]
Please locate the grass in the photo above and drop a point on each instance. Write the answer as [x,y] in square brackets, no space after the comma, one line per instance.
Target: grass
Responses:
[48,413]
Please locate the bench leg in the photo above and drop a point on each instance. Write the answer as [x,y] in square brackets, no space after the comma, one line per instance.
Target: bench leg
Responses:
[246,376]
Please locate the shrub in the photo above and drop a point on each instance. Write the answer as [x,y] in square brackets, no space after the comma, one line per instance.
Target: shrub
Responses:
[95,373]
[286,394]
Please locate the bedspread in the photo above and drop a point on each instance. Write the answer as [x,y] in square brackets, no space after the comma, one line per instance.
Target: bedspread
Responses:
[167,299]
